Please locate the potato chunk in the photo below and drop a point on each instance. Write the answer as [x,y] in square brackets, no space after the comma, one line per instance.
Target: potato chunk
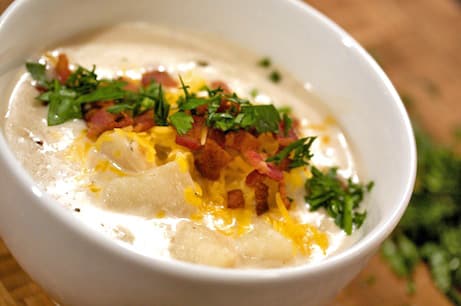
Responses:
[158,190]
[197,244]
[265,247]
[126,151]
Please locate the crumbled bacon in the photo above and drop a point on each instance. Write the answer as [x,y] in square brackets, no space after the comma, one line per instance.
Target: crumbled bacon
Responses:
[235,199]
[131,85]
[242,141]
[222,85]
[284,164]
[256,160]
[144,121]
[261,198]
[161,77]
[62,68]
[192,138]
[188,142]
[201,110]
[100,120]
[229,106]
[210,159]
[283,194]
[254,178]
[218,136]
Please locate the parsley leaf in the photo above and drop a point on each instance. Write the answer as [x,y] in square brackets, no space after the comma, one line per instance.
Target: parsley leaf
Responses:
[121,107]
[193,103]
[264,62]
[182,122]
[83,80]
[275,76]
[222,121]
[298,151]
[38,73]
[161,109]
[236,99]
[264,118]
[287,124]
[111,90]
[340,199]
[62,105]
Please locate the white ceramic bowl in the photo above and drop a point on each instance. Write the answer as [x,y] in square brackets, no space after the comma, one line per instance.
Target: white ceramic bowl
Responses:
[78,266]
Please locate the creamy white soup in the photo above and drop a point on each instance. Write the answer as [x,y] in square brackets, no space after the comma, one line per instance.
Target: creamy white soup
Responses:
[217,181]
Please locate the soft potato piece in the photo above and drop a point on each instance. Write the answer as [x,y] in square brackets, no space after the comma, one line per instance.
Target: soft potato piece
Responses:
[122,149]
[197,244]
[155,191]
[265,247]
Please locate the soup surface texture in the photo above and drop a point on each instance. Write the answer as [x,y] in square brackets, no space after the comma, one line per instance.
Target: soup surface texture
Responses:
[201,186]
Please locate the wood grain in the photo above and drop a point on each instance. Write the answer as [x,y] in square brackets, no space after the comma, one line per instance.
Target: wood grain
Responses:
[418,43]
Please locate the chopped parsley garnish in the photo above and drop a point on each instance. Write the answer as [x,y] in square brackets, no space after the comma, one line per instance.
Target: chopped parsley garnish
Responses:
[161,109]
[275,76]
[263,118]
[38,73]
[82,86]
[202,63]
[83,81]
[341,199]
[287,124]
[62,105]
[109,90]
[182,122]
[285,110]
[298,152]
[254,92]
[241,114]
[265,62]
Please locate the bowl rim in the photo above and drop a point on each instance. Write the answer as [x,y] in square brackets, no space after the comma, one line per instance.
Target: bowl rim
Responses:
[196,272]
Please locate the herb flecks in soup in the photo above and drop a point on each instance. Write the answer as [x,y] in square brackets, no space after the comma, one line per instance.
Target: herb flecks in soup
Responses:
[176,162]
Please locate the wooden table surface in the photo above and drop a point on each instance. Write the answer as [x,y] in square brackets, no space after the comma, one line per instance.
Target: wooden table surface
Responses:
[418,43]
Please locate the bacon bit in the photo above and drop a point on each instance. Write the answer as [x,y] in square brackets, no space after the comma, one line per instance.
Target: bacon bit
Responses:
[100,120]
[284,164]
[254,178]
[285,141]
[161,77]
[261,198]
[201,110]
[242,141]
[218,136]
[41,90]
[256,160]
[144,121]
[228,105]
[188,142]
[191,139]
[131,85]
[210,159]
[274,173]
[235,199]
[222,85]
[62,68]
[283,194]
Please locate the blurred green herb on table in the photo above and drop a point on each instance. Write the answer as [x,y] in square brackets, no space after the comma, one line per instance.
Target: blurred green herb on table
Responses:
[430,230]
